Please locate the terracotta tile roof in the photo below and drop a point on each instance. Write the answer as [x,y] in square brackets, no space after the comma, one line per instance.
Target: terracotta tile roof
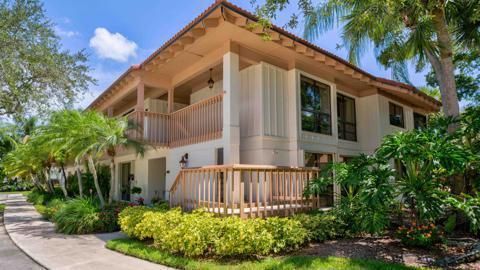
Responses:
[282,31]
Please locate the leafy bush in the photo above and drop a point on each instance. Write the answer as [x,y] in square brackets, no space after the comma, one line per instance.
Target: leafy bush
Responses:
[39,197]
[321,226]
[52,207]
[15,185]
[108,216]
[130,217]
[78,216]
[88,184]
[419,236]
[200,233]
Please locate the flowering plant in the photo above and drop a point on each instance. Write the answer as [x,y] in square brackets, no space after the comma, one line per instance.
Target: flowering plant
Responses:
[140,200]
[419,235]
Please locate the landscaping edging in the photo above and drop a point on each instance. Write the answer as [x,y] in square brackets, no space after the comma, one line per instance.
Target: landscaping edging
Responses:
[37,238]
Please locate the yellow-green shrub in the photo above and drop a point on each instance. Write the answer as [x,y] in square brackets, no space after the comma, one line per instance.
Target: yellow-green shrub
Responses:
[130,217]
[243,237]
[320,226]
[287,233]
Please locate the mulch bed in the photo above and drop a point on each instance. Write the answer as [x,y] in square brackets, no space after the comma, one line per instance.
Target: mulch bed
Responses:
[387,249]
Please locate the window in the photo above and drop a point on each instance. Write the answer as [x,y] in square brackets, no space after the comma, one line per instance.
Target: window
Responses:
[315,106]
[419,121]
[396,115]
[347,124]
[321,161]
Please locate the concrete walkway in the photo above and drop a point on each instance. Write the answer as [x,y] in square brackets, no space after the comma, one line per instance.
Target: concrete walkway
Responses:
[38,239]
[11,257]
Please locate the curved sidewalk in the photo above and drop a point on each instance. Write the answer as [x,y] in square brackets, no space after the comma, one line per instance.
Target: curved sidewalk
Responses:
[37,238]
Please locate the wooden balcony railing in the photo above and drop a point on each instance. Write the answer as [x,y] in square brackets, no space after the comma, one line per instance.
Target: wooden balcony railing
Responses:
[196,123]
[246,190]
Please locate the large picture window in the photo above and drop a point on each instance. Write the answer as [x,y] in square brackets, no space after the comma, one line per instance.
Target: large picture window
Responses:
[316,112]
[347,124]
[396,115]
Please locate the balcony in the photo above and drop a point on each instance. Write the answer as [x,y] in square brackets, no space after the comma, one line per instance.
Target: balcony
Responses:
[199,122]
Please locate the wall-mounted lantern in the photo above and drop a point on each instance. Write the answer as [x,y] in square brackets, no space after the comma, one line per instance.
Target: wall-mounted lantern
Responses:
[210,81]
[183,162]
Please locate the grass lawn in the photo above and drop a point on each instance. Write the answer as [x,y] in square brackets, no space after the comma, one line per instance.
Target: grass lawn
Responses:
[2,208]
[138,249]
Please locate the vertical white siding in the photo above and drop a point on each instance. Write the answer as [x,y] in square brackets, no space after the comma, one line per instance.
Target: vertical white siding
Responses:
[250,102]
[274,86]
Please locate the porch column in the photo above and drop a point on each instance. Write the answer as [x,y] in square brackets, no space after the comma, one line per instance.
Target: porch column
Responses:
[140,96]
[170,101]
[294,120]
[231,110]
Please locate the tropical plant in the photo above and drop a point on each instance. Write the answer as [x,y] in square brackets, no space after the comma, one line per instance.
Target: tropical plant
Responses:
[78,216]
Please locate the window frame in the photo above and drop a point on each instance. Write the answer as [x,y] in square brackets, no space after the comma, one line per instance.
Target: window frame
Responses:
[395,107]
[314,112]
[415,116]
[345,123]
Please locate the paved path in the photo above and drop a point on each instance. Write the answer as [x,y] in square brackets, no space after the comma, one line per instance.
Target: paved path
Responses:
[38,239]
[11,257]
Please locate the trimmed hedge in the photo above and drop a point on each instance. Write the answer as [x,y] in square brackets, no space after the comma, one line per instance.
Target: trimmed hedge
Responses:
[200,233]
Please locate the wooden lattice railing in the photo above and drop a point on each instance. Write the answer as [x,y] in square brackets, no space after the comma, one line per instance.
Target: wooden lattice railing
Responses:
[246,190]
[202,121]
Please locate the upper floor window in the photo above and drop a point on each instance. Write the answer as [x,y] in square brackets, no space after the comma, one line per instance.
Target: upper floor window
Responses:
[396,115]
[419,121]
[316,112]
[347,124]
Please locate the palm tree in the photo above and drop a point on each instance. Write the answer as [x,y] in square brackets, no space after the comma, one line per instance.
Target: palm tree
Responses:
[427,31]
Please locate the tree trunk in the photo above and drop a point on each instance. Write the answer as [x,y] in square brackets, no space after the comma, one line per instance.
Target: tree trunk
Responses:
[93,170]
[37,184]
[112,180]
[63,182]
[79,179]
[444,67]
[47,180]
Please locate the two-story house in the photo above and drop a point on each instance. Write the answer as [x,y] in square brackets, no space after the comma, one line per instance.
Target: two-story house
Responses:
[250,121]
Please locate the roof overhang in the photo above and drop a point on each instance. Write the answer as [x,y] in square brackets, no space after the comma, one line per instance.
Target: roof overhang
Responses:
[242,18]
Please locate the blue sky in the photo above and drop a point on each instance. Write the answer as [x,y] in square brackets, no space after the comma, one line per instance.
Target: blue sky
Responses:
[118,33]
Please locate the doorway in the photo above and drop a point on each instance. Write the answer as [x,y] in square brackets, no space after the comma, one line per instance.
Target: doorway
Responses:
[125,175]
[156,179]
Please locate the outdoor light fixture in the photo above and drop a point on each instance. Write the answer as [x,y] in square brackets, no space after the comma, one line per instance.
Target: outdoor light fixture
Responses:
[210,81]
[183,161]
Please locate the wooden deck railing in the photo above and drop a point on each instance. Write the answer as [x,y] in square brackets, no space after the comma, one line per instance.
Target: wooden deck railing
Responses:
[246,190]
[196,123]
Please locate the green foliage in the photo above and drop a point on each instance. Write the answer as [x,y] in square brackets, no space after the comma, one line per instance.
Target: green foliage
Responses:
[366,192]
[36,75]
[52,207]
[108,216]
[2,208]
[321,226]
[78,216]
[15,185]
[200,233]
[40,197]
[420,236]
[130,217]
[469,206]
[88,184]
[136,190]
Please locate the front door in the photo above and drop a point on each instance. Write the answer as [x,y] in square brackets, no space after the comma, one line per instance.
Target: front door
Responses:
[125,183]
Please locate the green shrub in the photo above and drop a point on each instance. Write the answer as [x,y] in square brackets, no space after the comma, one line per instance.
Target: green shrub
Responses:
[52,207]
[88,185]
[78,216]
[200,233]
[243,237]
[108,216]
[130,217]
[287,233]
[320,226]
[42,197]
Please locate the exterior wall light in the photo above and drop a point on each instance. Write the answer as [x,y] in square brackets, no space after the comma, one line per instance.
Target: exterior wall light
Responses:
[210,81]
[183,162]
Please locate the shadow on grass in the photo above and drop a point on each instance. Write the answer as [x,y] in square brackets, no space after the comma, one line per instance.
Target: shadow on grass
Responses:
[141,250]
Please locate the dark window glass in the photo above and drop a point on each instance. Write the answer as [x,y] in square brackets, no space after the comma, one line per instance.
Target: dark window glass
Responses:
[347,124]
[419,121]
[396,115]
[320,161]
[316,114]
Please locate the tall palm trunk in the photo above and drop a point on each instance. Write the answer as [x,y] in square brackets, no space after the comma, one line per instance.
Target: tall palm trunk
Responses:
[112,180]
[63,182]
[93,170]
[444,67]
[79,179]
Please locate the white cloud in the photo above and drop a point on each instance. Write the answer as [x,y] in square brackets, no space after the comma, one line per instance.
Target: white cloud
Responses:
[112,45]
[65,33]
